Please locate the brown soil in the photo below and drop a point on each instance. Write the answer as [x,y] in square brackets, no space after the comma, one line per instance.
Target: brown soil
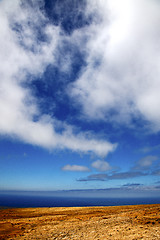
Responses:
[122,222]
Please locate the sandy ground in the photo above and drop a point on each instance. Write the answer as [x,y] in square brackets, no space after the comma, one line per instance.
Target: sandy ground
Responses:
[122,222]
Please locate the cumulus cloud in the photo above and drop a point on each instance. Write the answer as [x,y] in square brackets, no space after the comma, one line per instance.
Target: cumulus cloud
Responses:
[101,166]
[121,77]
[23,53]
[75,168]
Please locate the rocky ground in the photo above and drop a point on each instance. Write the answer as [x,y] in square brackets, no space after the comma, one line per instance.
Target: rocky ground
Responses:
[122,222]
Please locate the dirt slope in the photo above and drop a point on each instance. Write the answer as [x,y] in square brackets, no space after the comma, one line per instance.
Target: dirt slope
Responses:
[122,222]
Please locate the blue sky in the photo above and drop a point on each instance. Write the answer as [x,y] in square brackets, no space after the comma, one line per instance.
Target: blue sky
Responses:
[79,97]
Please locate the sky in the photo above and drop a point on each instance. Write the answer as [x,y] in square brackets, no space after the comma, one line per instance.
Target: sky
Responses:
[79,97]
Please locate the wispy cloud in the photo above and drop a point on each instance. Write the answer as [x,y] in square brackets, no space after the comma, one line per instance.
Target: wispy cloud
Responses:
[158,182]
[132,185]
[115,176]
[111,85]
[156,172]
[115,192]
[75,168]
[94,177]
[150,148]
[145,163]
[126,175]
[120,80]
[25,52]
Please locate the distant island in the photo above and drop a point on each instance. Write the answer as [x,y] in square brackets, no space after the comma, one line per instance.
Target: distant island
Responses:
[116,222]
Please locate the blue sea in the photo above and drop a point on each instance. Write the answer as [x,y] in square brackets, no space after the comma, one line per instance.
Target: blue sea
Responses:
[21,201]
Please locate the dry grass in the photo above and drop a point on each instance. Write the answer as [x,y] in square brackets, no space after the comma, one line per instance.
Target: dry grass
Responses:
[122,222]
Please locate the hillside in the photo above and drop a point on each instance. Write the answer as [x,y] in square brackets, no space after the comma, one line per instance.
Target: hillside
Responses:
[122,222]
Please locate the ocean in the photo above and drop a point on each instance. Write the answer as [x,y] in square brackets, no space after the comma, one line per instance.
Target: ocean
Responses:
[24,201]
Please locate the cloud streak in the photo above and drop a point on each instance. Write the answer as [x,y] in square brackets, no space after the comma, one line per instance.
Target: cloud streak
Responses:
[117,192]
[75,168]
[114,176]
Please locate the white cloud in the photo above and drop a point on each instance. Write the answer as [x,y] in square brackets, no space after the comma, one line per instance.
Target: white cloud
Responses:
[122,73]
[22,53]
[75,168]
[101,166]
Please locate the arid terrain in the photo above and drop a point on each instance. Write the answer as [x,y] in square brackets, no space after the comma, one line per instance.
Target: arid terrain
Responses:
[122,222]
